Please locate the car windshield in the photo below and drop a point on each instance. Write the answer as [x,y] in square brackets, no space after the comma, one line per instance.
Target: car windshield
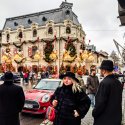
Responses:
[47,85]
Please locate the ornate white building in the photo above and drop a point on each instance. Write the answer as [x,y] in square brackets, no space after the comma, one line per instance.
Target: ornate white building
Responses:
[50,37]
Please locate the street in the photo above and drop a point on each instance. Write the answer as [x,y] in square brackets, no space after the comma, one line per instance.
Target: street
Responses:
[27,119]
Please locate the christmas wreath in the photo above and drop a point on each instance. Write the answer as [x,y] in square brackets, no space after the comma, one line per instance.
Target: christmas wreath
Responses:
[69,46]
[48,50]
[70,53]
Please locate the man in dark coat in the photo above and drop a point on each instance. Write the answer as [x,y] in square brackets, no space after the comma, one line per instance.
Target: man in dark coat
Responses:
[108,100]
[11,101]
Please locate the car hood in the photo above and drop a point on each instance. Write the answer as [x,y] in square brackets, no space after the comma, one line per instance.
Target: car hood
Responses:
[36,95]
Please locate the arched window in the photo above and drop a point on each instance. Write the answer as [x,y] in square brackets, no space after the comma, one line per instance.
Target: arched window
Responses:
[68,30]
[20,34]
[50,30]
[34,33]
[8,37]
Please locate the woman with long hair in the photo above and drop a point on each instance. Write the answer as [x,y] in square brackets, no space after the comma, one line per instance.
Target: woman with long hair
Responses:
[70,101]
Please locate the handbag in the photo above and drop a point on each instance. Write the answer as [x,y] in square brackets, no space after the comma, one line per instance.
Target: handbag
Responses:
[50,113]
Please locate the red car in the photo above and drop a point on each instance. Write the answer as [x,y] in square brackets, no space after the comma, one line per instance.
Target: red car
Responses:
[38,99]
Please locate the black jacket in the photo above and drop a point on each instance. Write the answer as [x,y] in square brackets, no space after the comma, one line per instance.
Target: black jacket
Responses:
[67,103]
[108,102]
[11,103]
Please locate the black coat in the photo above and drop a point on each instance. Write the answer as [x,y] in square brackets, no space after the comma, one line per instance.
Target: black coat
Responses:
[108,102]
[67,103]
[11,103]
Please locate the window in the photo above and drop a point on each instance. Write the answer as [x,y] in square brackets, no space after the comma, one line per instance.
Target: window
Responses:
[29,21]
[34,49]
[68,30]
[20,35]
[67,12]
[44,19]
[8,37]
[15,24]
[50,30]
[34,33]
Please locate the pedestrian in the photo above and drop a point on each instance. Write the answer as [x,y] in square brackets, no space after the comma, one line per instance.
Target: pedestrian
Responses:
[81,82]
[108,100]
[11,101]
[70,101]
[92,86]
[21,77]
[26,77]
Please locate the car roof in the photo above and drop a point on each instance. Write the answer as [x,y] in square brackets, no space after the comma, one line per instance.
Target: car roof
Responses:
[51,80]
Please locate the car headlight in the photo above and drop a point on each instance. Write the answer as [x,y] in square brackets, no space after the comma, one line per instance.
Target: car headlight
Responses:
[45,98]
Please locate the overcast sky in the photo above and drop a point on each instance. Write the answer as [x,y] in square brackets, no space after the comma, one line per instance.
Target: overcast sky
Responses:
[98,18]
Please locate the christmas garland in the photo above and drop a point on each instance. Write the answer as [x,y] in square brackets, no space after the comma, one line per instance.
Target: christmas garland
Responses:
[18,45]
[21,61]
[33,41]
[49,47]
[5,44]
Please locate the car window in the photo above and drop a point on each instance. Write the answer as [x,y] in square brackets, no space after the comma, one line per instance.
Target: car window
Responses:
[47,85]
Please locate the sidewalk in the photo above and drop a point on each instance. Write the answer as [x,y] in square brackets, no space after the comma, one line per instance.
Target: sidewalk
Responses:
[88,120]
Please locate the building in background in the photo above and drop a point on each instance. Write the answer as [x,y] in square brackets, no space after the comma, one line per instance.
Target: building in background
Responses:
[42,39]
[51,40]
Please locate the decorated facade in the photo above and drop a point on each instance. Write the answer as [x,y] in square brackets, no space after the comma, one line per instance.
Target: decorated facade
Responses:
[52,39]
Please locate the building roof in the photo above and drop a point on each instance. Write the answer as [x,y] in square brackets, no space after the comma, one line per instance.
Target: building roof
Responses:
[58,15]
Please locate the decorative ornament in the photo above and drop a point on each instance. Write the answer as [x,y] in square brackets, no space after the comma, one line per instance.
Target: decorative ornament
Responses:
[87,56]
[18,58]
[62,69]
[50,54]
[70,52]
[37,55]
[7,50]
[6,58]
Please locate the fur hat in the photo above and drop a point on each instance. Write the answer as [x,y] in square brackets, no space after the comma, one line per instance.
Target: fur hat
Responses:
[69,74]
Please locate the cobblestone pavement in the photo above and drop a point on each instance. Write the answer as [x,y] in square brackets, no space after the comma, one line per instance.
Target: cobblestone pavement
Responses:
[88,120]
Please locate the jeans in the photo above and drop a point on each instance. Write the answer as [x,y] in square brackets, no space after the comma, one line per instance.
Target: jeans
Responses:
[92,98]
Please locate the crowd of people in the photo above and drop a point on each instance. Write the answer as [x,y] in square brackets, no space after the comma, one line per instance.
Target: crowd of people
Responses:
[70,100]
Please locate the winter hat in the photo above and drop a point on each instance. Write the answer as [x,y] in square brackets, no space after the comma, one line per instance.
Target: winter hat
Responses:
[69,74]
[8,76]
[107,65]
